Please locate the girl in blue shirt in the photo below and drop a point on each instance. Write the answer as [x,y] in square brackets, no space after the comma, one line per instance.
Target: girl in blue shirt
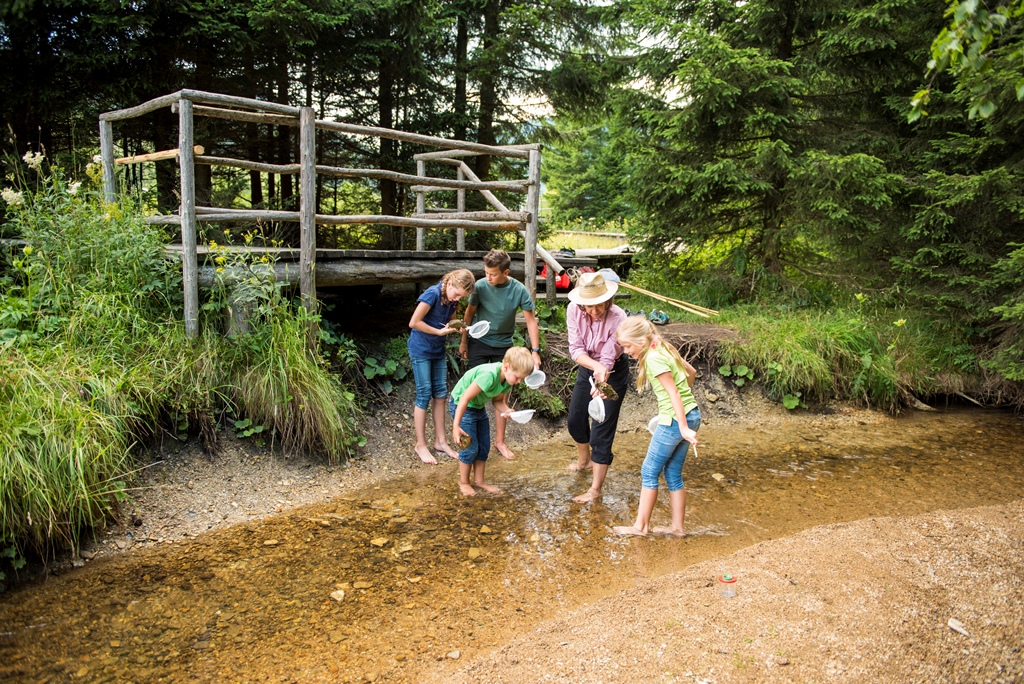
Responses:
[435,309]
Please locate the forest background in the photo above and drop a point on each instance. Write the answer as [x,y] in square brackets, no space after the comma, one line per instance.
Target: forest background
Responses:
[842,180]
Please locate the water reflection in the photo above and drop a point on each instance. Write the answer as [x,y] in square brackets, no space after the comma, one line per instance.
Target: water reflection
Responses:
[394,582]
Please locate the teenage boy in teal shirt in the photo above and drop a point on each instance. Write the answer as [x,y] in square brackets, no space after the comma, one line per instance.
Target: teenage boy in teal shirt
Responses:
[496,299]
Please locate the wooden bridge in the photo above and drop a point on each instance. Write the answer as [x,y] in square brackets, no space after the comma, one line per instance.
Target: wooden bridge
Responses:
[307,265]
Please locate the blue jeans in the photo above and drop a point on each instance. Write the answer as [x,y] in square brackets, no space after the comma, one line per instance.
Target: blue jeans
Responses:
[475,424]
[666,454]
[431,377]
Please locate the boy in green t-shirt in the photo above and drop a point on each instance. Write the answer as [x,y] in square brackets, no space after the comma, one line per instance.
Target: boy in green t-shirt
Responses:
[495,299]
[483,383]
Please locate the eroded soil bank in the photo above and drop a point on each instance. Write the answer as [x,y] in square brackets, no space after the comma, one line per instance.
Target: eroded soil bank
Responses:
[837,525]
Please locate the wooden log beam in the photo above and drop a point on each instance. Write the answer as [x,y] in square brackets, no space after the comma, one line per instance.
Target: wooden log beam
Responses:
[440,183]
[496,203]
[157,156]
[289,169]
[420,139]
[520,216]
[234,101]
[347,272]
[249,117]
[213,214]
[441,155]
[139,110]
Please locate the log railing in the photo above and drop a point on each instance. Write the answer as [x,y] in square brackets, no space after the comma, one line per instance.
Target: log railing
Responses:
[191,103]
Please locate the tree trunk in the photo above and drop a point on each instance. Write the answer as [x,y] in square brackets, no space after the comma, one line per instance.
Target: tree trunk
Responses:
[488,85]
[284,153]
[461,74]
[385,108]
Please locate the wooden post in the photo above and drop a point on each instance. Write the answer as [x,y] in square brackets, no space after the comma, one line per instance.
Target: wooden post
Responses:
[460,206]
[307,211]
[550,293]
[187,214]
[107,159]
[421,207]
[532,205]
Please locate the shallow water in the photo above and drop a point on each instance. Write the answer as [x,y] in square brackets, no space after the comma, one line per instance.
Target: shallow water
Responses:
[426,573]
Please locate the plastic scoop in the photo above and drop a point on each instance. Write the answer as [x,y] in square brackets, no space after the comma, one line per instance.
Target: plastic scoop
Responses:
[653,424]
[535,379]
[479,329]
[523,416]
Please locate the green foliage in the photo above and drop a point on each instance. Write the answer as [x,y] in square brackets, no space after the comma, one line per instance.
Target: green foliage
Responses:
[550,318]
[978,41]
[96,358]
[547,405]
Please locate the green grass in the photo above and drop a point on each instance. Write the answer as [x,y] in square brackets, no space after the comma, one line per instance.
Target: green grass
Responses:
[96,360]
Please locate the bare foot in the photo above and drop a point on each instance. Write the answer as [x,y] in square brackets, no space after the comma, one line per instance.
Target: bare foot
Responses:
[668,530]
[635,531]
[505,451]
[490,489]
[424,453]
[576,467]
[467,490]
[444,448]
[589,495]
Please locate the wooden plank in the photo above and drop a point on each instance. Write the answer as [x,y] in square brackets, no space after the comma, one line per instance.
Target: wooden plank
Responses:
[107,160]
[289,169]
[187,213]
[250,117]
[419,139]
[307,208]
[156,156]
[144,108]
[520,216]
[213,215]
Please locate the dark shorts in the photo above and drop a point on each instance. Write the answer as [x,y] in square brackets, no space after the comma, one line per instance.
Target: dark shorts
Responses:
[480,353]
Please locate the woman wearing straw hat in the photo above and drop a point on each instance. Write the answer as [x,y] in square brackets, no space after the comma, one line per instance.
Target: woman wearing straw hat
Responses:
[592,319]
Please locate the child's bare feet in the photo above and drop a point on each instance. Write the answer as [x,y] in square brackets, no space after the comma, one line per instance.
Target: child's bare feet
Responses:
[444,448]
[505,451]
[668,530]
[635,531]
[576,467]
[590,495]
[490,489]
[467,490]
[424,453]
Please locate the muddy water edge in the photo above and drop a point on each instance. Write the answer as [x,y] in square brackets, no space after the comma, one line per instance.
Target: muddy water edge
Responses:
[389,582]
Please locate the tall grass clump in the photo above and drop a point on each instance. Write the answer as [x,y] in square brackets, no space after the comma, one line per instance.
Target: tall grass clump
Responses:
[95,359]
[882,359]
[273,377]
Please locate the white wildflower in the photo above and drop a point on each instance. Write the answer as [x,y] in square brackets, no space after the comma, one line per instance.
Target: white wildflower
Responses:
[12,197]
[73,188]
[34,160]
[97,159]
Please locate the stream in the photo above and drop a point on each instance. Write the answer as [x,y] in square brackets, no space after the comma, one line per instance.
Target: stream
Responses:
[390,582]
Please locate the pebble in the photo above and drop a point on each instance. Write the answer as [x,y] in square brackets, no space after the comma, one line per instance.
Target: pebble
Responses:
[474,553]
[454,655]
[338,595]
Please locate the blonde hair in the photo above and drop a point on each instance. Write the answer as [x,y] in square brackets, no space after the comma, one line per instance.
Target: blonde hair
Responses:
[519,359]
[461,278]
[640,332]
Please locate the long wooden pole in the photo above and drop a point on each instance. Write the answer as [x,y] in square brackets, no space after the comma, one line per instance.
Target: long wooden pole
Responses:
[692,308]
[107,159]
[533,225]
[460,207]
[496,203]
[307,213]
[421,207]
[156,156]
[187,214]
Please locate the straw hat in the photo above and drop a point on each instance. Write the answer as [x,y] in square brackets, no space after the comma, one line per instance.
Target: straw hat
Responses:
[592,288]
